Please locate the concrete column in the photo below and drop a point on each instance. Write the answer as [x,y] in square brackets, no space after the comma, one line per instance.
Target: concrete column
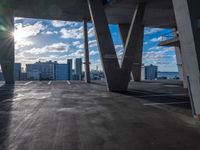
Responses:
[7,43]
[180,62]
[86,52]
[132,58]
[106,47]
[187,18]
[117,78]
[136,68]
[124,29]
[180,66]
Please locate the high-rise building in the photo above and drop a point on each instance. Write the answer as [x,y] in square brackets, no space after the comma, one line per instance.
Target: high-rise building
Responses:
[69,63]
[142,72]
[61,71]
[78,68]
[151,72]
[17,71]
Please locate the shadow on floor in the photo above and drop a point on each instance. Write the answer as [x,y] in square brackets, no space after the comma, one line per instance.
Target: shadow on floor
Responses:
[6,95]
[155,97]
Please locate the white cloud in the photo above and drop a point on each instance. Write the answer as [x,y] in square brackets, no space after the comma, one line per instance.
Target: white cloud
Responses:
[58,24]
[73,33]
[91,32]
[119,47]
[152,30]
[53,48]
[92,43]
[18,18]
[76,43]
[49,32]
[93,53]
[156,48]
[22,43]
[156,56]
[75,54]
[158,39]
[55,52]
[81,46]
[25,31]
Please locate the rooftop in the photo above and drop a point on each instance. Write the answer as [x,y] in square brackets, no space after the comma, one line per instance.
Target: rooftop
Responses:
[75,115]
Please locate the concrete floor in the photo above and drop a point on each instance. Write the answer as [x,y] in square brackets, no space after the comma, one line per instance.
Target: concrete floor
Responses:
[78,116]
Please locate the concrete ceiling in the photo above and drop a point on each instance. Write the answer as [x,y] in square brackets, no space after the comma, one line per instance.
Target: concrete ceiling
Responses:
[158,13]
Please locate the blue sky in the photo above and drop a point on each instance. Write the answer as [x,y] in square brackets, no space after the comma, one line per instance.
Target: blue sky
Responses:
[44,40]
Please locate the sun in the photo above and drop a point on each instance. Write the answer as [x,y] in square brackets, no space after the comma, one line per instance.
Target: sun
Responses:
[19,35]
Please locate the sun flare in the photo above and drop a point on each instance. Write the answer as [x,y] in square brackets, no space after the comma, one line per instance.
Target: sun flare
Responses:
[19,35]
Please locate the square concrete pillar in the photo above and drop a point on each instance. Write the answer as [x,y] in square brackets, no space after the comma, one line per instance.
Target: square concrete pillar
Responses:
[179,60]
[187,15]
[86,52]
[136,51]
[7,43]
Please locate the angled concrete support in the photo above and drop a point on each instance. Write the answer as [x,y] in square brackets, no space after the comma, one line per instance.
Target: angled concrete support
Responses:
[180,66]
[179,60]
[107,51]
[137,51]
[187,18]
[117,78]
[7,44]
[86,52]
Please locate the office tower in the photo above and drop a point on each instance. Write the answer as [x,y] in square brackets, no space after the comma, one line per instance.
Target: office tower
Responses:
[151,72]
[61,71]
[142,72]
[69,63]
[78,68]
[17,71]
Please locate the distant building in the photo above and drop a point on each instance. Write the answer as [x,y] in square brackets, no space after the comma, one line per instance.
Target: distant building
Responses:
[69,75]
[23,76]
[96,75]
[41,71]
[151,72]
[142,72]
[78,68]
[33,71]
[17,71]
[168,75]
[61,71]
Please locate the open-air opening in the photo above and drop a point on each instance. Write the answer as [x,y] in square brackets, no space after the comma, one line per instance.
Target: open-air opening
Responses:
[53,50]
[143,64]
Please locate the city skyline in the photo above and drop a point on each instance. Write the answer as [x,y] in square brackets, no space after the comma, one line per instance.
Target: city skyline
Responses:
[38,39]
